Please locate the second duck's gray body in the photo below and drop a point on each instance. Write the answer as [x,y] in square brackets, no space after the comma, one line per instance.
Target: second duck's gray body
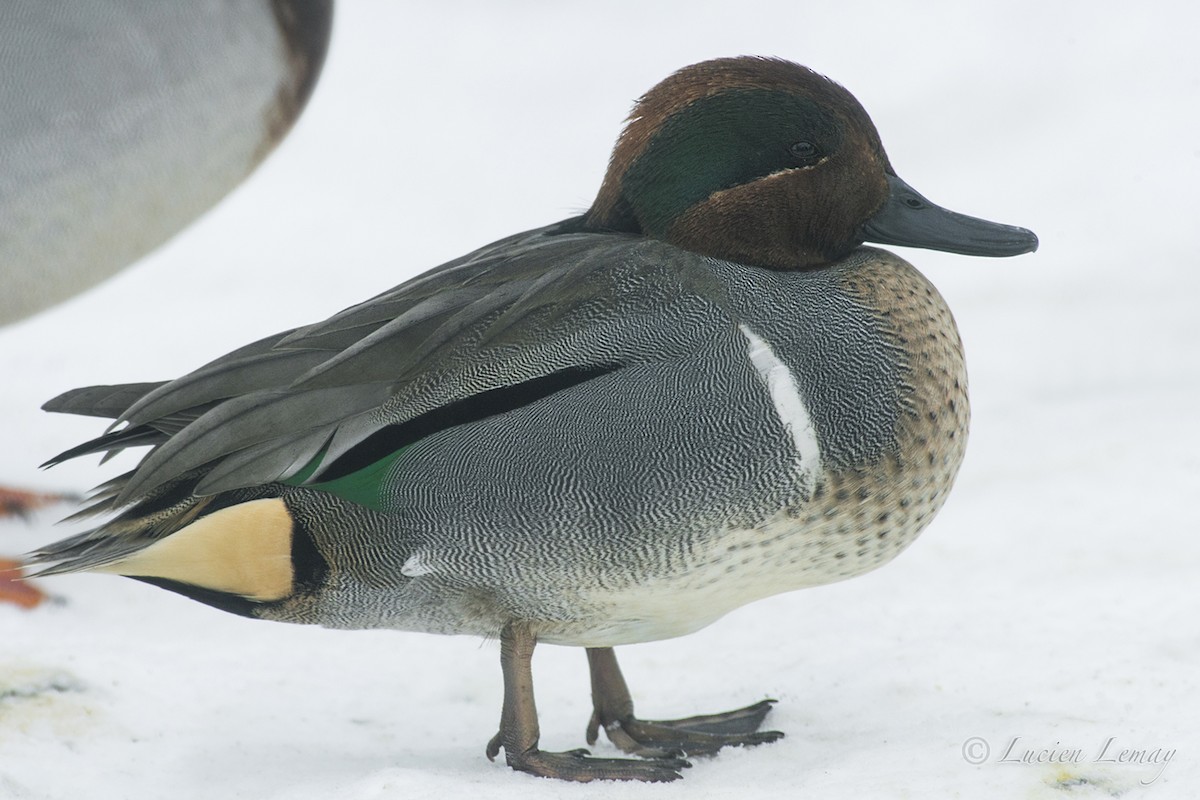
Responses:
[747,432]
[122,121]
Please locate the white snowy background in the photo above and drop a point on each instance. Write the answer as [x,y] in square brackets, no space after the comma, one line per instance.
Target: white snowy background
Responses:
[1054,601]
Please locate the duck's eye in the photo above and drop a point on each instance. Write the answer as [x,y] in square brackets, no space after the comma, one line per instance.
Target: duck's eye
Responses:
[806,153]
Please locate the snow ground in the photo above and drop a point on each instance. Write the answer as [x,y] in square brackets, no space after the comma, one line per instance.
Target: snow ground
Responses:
[1053,601]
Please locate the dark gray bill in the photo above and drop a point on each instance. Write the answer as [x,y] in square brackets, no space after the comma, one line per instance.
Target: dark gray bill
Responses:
[910,220]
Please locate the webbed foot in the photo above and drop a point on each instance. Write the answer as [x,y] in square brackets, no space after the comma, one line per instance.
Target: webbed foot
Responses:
[693,736]
[519,732]
[579,765]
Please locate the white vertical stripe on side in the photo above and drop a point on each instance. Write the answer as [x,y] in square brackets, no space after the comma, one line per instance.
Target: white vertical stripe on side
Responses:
[789,405]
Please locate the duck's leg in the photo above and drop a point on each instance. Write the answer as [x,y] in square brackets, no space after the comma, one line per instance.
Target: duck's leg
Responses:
[613,711]
[519,728]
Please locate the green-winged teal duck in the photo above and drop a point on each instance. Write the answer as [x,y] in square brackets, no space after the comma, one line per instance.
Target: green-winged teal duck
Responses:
[614,429]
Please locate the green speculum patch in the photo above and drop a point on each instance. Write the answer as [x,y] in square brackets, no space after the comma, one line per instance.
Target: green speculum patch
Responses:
[364,486]
[713,145]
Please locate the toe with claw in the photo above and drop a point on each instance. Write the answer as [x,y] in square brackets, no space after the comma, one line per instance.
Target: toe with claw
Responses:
[519,732]
[693,736]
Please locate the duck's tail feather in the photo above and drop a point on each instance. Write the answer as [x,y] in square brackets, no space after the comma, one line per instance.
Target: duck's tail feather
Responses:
[222,542]
[112,443]
[236,551]
[109,402]
[165,511]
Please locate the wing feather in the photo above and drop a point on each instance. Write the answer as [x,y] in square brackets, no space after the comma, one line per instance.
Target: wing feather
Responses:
[513,314]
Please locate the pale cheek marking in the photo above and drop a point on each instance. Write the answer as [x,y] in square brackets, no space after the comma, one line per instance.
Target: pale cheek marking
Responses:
[789,406]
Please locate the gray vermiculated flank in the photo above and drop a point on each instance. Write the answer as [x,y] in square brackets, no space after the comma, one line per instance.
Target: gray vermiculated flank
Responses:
[630,475]
[641,503]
